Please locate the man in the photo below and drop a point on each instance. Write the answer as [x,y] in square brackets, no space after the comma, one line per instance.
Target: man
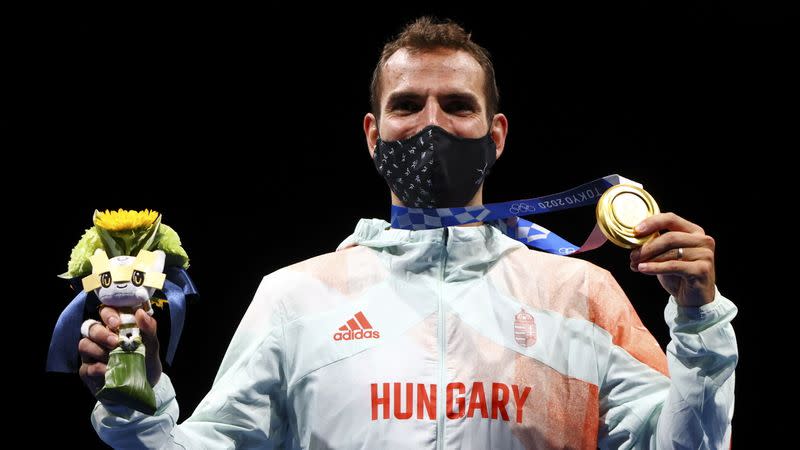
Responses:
[454,337]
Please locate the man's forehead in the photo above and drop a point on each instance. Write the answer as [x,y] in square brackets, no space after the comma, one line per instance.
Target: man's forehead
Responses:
[436,57]
[455,70]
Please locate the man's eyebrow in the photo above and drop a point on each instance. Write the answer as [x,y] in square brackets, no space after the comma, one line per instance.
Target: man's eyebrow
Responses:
[467,97]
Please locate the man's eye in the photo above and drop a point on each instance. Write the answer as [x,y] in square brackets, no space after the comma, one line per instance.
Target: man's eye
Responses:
[458,107]
[405,106]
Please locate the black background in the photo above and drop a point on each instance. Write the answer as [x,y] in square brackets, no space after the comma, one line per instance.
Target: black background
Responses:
[243,128]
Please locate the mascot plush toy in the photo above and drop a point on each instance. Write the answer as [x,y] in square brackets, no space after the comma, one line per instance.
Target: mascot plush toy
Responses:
[123,262]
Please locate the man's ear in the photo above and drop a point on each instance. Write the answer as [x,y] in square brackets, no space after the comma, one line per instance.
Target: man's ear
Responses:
[499,131]
[371,133]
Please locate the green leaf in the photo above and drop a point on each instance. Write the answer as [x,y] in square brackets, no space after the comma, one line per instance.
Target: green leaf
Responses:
[126,381]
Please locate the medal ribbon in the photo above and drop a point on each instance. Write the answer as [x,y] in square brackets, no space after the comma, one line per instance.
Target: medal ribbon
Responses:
[506,216]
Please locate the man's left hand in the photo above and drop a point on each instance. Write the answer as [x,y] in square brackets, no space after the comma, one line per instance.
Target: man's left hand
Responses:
[682,258]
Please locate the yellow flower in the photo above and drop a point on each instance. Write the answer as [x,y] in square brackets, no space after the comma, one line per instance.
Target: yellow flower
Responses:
[125,220]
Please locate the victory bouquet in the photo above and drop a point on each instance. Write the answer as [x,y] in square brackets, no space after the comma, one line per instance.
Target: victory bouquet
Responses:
[128,260]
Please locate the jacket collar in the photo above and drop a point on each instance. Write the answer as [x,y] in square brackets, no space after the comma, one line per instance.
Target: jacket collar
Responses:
[463,252]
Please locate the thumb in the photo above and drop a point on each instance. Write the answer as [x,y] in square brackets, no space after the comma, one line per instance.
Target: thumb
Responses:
[147,329]
[147,326]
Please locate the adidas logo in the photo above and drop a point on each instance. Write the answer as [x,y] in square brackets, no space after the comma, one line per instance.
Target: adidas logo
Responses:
[356,328]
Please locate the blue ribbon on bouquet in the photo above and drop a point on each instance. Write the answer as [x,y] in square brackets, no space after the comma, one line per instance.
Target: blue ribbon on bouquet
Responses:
[63,353]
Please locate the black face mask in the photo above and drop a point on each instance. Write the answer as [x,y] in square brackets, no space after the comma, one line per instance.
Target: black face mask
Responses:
[433,168]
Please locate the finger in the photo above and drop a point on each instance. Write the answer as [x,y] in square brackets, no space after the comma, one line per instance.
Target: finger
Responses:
[148,328]
[95,371]
[104,337]
[689,255]
[110,317]
[666,221]
[670,241]
[679,254]
[668,255]
[686,269]
[91,352]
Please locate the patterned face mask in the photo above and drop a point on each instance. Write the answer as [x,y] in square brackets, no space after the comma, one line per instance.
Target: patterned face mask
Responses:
[433,168]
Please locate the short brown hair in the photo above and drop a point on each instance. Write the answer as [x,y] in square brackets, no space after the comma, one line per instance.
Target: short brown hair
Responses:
[426,33]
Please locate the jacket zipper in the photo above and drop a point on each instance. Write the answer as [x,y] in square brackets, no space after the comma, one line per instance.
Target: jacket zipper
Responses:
[441,397]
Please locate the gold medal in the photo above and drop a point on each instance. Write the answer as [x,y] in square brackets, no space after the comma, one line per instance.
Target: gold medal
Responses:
[620,209]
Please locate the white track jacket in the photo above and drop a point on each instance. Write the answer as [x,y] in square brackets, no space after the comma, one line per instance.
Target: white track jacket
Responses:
[450,338]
